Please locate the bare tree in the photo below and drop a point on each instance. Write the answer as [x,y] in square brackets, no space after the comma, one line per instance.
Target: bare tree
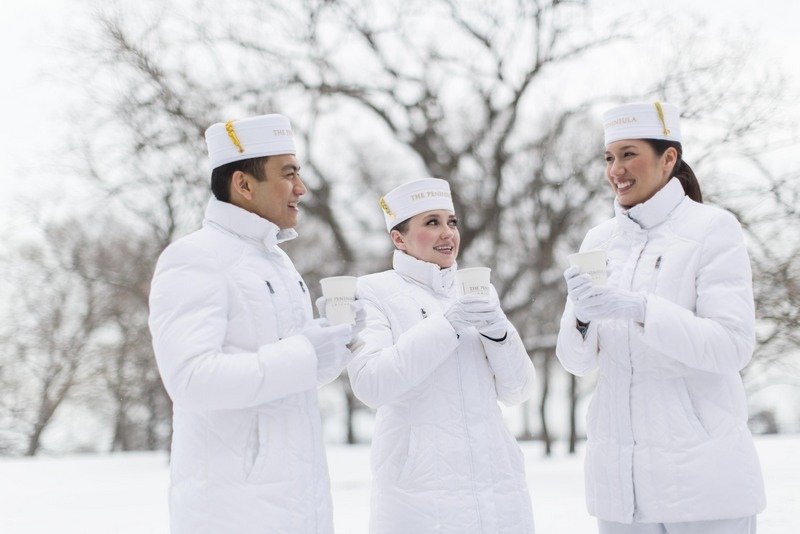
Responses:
[769,215]
[505,171]
[487,96]
[51,339]
[79,335]
[122,265]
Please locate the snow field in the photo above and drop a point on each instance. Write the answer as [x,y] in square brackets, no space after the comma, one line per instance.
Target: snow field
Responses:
[126,493]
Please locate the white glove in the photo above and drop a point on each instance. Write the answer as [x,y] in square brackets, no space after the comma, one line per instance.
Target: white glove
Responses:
[361,317]
[330,346]
[594,302]
[578,286]
[469,311]
[320,304]
[358,310]
[497,325]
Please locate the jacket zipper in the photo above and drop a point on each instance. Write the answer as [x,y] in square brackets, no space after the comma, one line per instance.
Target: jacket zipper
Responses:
[469,443]
[309,406]
[274,309]
[630,385]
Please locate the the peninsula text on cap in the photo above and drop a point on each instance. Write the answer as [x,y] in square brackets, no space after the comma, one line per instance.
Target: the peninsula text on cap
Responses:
[642,121]
[415,197]
[253,137]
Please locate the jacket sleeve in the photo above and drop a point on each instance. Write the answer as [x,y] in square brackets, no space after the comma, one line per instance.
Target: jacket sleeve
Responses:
[719,336]
[576,352]
[514,374]
[188,323]
[382,371]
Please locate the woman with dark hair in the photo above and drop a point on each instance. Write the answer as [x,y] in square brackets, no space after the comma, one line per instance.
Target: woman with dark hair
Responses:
[668,446]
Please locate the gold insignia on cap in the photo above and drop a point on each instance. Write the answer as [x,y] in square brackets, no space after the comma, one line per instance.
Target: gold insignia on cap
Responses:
[233,136]
[385,208]
[660,111]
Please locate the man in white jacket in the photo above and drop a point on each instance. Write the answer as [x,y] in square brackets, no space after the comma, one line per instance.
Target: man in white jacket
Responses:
[238,351]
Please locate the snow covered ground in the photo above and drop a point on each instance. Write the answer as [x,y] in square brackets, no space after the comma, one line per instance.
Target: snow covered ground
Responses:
[126,493]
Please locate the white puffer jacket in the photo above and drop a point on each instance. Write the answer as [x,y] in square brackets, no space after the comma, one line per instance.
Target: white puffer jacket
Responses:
[442,459]
[226,305]
[667,427]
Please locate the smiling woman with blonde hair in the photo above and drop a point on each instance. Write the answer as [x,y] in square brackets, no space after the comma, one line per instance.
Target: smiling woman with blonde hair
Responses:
[434,365]
[668,447]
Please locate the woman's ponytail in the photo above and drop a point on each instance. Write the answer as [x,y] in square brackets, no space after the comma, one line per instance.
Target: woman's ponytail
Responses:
[681,170]
[688,180]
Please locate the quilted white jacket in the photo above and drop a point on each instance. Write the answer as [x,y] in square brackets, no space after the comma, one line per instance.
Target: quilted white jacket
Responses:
[667,427]
[442,459]
[226,305]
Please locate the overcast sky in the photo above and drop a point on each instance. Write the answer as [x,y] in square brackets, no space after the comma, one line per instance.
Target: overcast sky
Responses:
[33,42]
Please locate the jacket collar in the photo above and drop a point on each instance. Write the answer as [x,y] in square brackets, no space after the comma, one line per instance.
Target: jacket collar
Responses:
[440,281]
[245,225]
[653,211]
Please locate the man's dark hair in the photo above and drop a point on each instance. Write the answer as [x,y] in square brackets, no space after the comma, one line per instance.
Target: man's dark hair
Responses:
[221,176]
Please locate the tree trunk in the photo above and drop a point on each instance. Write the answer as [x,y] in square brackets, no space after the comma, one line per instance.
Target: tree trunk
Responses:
[46,410]
[35,437]
[351,438]
[543,405]
[573,408]
[527,433]
[352,406]
[120,442]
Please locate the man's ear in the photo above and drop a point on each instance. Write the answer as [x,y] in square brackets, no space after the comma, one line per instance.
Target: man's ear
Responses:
[240,185]
[398,239]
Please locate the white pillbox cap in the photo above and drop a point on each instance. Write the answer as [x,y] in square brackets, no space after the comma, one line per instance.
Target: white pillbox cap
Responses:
[253,137]
[415,197]
[642,121]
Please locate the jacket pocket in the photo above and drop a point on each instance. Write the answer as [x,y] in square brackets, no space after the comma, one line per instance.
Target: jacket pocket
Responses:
[599,418]
[264,462]
[690,410]
[251,448]
[406,474]
[515,456]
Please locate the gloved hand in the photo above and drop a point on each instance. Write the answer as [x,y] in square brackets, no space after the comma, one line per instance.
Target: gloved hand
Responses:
[614,303]
[471,310]
[497,324]
[361,317]
[579,286]
[330,346]
[358,311]
[602,302]
[320,304]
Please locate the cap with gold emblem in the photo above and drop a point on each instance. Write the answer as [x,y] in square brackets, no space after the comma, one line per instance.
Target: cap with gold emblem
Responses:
[642,121]
[415,197]
[253,137]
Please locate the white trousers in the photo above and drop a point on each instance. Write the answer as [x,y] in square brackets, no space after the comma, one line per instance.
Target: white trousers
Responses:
[742,525]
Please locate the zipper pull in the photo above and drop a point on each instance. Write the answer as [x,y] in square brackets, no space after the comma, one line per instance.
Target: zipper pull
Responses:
[424,313]
[658,263]
[269,286]
[301,285]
